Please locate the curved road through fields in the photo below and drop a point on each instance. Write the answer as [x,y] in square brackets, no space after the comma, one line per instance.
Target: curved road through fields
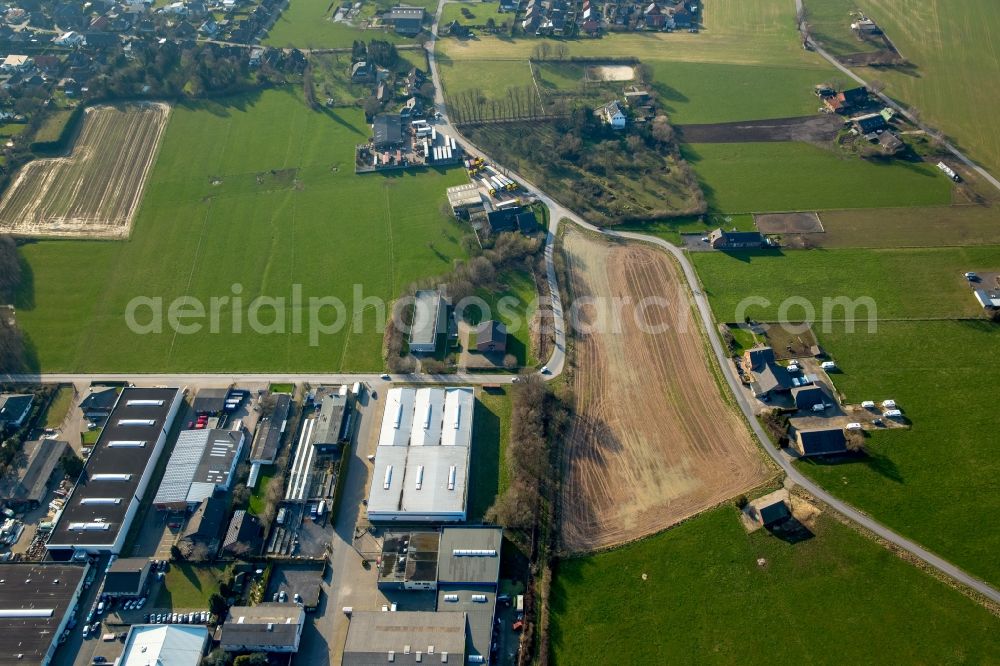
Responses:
[557,212]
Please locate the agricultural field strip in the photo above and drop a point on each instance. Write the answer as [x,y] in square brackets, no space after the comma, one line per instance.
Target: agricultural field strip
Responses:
[97,189]
[694,454]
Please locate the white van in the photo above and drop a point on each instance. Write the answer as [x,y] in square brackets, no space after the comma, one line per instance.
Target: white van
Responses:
[854,426]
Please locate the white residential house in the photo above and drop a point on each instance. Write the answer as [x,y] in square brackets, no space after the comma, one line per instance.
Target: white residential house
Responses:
[176,8]
[70,39]
[209,28]
[614,115]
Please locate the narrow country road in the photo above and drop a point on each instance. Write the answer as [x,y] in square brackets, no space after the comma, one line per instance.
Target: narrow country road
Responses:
[558,212]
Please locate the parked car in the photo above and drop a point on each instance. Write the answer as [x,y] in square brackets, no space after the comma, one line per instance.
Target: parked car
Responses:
[854,426]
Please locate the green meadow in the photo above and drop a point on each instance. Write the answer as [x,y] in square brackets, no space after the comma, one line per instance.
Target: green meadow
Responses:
[698,594]
[936,482]
[790,176]
[248,198]
[913,283]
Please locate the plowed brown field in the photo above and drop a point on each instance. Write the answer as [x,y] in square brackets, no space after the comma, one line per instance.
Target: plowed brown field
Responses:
[95,191]
[653,442]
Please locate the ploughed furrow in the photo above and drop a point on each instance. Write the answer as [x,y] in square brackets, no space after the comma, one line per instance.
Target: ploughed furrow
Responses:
[96,190]
[653,441]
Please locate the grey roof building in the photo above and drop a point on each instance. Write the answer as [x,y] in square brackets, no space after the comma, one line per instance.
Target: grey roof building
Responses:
[127,577]
[26,484]
[735,240]
[267,439]
[806,397]
[98,513]
[202,462]
[99,402]
[405,20]
[204,526]
[331,424]
[387,131]
[36,599]
[409,560]
[429,313]
[266,627]
[244,536]
[470,556]
[210,400]
[491,336]
[404,638]
[768,376]
[14,409]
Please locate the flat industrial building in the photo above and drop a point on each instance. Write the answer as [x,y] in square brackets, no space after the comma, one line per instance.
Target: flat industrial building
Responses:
[409,560]
[422,459]
[164,645]
[98,513]
[266,627]
[36,601]
[331,424]
[429,313]
[469,556]
[404,638]
[202,462]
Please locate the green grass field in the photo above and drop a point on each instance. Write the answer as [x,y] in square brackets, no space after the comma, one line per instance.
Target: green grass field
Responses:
[309,24]
[936,482]
[761,177]
[258,496]
[706,600]
[259,192]
[491,78]
[189,586]
[719,93]
[905,284]
[947,83]
[830,24]
[931,226]
[480,11]
[490,431]
[61,403]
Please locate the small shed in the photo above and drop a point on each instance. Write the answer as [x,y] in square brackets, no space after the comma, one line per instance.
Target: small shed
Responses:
[770,509]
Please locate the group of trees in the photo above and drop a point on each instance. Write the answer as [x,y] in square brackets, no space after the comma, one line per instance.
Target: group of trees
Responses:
[376,51]
[517,103]
[219,657]
[611,176]
[12,349]
[539,417]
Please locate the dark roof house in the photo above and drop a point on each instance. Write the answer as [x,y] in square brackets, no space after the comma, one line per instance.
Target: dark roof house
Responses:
[405,20]
[768,376]
[503,220]
[387,130]
[99,402]
[244,536]
[15,409]
[491,336]
[735,240]
[820,441]
[203,527]
[26,484]
[527,223]
[127,577]
[806,397]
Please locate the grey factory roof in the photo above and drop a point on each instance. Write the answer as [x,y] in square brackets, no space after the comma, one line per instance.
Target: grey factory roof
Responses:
[422,460]
[125,575]
[202,460]
[32,607]
[123,454]
[164,645]
[330,422]
[470,555]
[427,315]
[268,623]
[210,400]
[269,432]
[28,481]
[478,604]
[420,550]
[404,638]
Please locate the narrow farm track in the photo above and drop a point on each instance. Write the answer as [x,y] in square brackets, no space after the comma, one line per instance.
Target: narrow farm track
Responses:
[95,191]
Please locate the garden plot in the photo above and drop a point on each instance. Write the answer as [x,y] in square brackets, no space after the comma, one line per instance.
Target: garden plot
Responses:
[95,191]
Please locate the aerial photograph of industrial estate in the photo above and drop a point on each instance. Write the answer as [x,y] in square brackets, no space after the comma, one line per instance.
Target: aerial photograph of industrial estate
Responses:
[504,332]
